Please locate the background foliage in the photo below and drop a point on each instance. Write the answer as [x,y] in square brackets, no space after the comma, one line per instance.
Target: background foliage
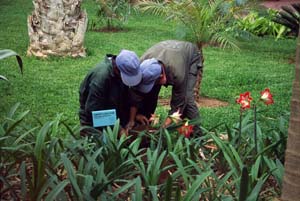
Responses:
[50,86]
[42,155]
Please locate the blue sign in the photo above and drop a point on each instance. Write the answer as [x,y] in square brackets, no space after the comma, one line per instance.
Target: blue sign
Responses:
[104,117]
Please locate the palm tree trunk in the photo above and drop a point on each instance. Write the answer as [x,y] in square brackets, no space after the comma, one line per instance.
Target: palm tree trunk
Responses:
[57,27]
[291,179]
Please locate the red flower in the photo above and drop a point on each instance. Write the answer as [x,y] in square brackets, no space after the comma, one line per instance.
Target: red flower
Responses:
[244,100]
[186,129]
[266,96]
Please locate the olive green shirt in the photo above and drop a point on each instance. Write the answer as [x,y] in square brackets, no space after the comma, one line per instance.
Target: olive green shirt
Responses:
[181,60]
[102,89]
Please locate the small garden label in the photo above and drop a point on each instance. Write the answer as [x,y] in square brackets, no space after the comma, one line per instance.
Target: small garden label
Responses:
[104,117]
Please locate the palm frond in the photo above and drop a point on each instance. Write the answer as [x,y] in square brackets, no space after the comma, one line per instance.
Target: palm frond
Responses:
[201,18]
[224,40]
[289,17]
[156,8]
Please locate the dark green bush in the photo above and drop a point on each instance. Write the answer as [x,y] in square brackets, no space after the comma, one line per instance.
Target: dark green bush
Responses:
[261,25]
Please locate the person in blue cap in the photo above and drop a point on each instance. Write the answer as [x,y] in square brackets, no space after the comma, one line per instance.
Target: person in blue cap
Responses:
[174,63]
[106,87]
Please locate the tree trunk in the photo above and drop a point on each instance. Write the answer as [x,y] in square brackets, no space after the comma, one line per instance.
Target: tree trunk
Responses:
[199,76]
[291,179]
[57,27]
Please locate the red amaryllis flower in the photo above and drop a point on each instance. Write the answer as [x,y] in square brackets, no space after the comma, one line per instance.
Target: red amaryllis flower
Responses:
[186,129]
[244,100]
[266,96]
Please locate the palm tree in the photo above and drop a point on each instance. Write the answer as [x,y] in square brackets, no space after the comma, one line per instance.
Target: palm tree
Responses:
[57,27]
[205,21]
[291,179]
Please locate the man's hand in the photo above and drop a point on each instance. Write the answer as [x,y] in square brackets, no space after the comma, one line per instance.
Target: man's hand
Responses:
[130,125]
[123,131]
[167,122]
[142,119]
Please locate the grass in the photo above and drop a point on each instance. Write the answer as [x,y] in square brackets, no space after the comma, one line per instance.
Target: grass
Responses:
[50,86]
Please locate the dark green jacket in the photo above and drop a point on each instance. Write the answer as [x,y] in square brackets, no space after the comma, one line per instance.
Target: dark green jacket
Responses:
[180,59]
[101,89]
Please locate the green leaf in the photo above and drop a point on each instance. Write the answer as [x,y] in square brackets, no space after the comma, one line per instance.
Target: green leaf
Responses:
[15,124]
[3,78]
[71,175]
[181,168]
[168,188]
[153,191]
[58,188]
[138,190]
[196,185]
[236,156]
[125,187]
[224,181]
[46,185]
[178,196]
[255,169]
[169,141]
[8,53]
[255,192]
[277,169]
[40,145]
[24,135]
[13,110]
[23,180]
[227,153]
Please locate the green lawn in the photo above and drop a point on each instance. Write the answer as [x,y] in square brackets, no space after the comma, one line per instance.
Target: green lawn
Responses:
[50,86]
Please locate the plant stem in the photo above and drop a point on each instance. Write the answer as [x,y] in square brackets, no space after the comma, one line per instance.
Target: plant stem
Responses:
[240,127]
[255,134]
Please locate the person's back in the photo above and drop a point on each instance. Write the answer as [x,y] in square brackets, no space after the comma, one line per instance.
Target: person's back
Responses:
[177,57]
[100,90]
[104,87]
[181,62]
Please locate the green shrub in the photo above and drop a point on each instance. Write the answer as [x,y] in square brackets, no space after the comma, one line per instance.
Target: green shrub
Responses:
[261,25]
[113,14]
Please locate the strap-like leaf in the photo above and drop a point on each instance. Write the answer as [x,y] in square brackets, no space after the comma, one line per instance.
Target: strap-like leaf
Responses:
[291,12]
[196,186]
[8,53]
[3,78]
[72,176]
[54,192]
[296,6]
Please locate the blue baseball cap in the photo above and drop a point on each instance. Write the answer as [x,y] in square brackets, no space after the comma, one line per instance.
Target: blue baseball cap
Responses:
[129,65]
[151,70]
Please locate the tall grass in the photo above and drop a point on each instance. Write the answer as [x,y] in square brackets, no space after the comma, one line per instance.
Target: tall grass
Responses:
[50,86]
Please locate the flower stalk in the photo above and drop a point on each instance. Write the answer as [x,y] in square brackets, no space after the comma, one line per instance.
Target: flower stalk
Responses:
[244,100]
[240,127]
[255,129]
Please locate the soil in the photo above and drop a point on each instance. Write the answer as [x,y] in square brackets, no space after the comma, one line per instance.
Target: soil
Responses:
[204,102]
